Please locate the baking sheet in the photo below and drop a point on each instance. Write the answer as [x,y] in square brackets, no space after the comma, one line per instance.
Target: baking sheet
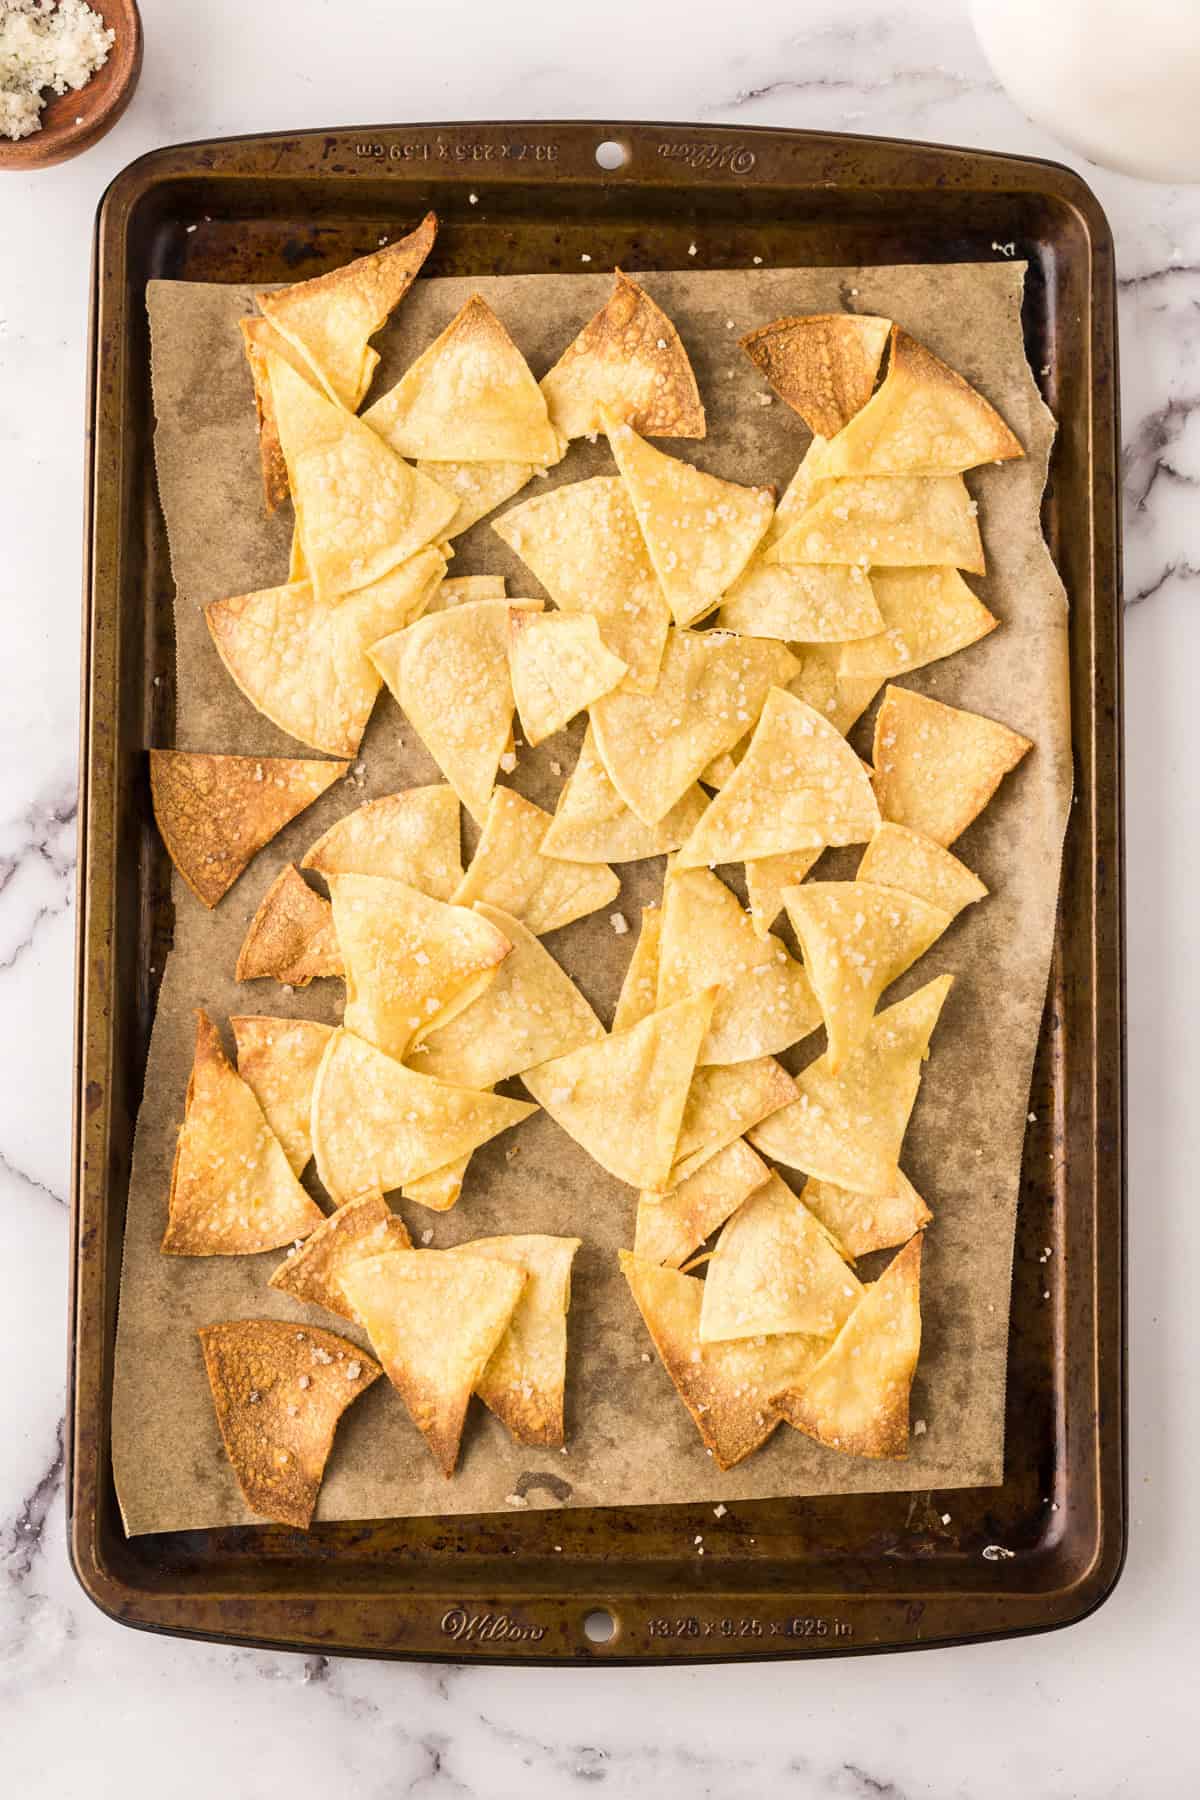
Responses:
[629,1439]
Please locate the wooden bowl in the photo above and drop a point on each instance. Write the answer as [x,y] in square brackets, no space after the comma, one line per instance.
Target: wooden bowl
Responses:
[72,122]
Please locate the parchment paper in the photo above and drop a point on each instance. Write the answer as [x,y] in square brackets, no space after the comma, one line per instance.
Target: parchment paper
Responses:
[629,1439]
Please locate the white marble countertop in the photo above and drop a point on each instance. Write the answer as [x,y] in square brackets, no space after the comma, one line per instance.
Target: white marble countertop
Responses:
[89,1709]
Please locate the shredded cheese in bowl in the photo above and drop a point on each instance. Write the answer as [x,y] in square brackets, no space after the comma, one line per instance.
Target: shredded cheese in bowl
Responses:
[45,46]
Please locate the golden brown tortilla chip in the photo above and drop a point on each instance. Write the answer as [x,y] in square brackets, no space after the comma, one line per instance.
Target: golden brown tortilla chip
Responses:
[724,1102]
[525,1379]
[927,614]
[479,488]
[258,337]
[865,1222]
[279,1394]
[823,365]
[627,358]
[898,857]
[278,1060]
[558,665]
[670,1226]
[509,870]
[936,766]
[593,824]
[775,1271]
[440,1189]
[639,989]
[887,521]
[291,936]
[412,836]
[766,878]
[801,602]
[363,1227]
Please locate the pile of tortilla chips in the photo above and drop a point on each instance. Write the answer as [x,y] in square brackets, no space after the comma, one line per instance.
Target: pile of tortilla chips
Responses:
[720,646]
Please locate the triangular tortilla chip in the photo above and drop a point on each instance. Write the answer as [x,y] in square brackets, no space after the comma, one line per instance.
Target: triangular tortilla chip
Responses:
[801,602]
[278,1060]
[291,936]
[583,543]
[378,1126]
[479,488]
[723,1103]
[558,665]
[330,318]
[363,1227]
[531,1012]
[887,521]
[361,508]
[440,1189]
[865,1222]
[670,1226]
[627,358]
[823,365]
[856,939]
[765,1003]
[774,1270]
[700,531]
[279,1394]
[434,1318]
[510,871]
[799,786]
[303,662]
[841,699]
[232,1188]
[258,337]
[216,812]
[593,824]
[927,614]
[936,766]
[458,588]
[468,398]
[412,836]
[898,857]
[623,1098]
[848,1128]
[412,963]
[856,1398]
[639,989]
[766,878]
[923,420]
[526,1376]
[297,566]
[726,1387]
[710,691]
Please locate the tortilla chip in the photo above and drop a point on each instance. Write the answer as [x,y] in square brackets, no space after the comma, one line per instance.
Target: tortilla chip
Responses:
[279,1394]
[440,1189]
[525,1379]
[699,531]
[798,787]
[726,1387]
[774,1271]
[434,1318]
[670,1226]
[216,812]
[361,508]
[723,1103]
[363,1227]
[278,1060]
[558,665]
[639,989]
[802,603]
[593,824]
[458,588]
[765,1003]
[297,566]
[848,1128]
[897,857]
[865,1222]
[841,699]
[232,1188]
[628,359]
[888,521]
[468,398]
[330,318]
[510,871]
[710,691]
[583,544]
[258,337]
[936,766]
[378,1126]
[479,488]
[823,365]
[623,1098]
[303,662]
[766,878]
[412,963]
[856,939]
[927,614]
[856,1398]
[923,420]
[530,1013]
[412,836]
[291,936]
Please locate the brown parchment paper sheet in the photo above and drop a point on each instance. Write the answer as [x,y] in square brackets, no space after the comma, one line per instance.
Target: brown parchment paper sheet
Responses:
[629,1439]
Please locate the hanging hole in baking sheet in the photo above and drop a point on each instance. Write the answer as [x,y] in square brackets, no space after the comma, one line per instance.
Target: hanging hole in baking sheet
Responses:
[611,155]
[599,1627]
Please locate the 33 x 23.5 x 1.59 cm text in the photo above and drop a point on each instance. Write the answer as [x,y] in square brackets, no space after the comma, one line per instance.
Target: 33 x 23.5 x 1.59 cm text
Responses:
[691,1626]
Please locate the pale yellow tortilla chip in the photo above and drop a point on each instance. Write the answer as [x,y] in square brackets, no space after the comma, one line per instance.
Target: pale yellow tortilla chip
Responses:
[459,588]
[898,857]
[440,1189]
[583,544]
[363,1227]
[593,824]
[622,1099]
[379,1126]
[525,1380]
[412,963]
[412,836]
[670,1226]
[865,1222]
[764,1003]
[923,420]
[936,766]
[887,521]
[558,665]
[232,1191]
[802,603]
[297,566]
[927,614]
[479,488]
[291,936]
[856,1398]
[509,870]
[726,1387]
[639,989]
[711,689]
[434,1318]
[628,359]
[774,1271]
[848,1128]
[278,1060]
[699,531]
[258,337]
[469,397]
[824,365]
[766,878]
[841,699]
[724,1102]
